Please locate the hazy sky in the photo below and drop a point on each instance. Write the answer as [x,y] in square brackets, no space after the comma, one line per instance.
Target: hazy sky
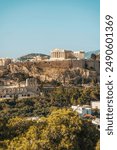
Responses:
[40,25]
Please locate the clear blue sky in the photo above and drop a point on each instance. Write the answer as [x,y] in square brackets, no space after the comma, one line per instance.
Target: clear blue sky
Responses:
[40,25]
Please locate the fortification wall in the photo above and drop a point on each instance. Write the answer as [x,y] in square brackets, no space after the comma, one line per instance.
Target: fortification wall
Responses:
[65,64]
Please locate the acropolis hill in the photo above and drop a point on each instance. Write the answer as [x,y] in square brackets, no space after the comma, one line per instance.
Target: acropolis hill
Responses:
[64,69]
[48,71]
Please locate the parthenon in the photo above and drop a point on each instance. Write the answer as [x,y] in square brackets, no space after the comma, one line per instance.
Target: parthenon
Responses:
[62,54]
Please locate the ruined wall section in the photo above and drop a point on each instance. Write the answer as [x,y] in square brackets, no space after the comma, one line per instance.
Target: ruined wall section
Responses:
[56,70]
[68,64]
[64,64]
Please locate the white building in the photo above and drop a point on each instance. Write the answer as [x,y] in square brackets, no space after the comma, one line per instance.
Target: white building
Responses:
[40,58]
[95,104]
[82,110]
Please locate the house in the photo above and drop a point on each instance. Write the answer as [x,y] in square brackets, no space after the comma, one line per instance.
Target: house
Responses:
[82,110]
[95,104]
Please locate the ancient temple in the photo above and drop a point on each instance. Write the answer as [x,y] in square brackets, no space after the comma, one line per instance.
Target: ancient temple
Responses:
[62,54]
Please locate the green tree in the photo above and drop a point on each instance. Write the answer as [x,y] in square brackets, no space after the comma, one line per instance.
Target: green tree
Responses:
[88,136]
[61,130]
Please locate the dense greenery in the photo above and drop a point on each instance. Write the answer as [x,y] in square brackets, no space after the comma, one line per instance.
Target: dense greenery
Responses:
[57,126]
[47,101]
[61,130]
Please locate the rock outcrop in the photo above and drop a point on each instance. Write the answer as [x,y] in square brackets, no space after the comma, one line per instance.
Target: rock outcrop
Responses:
[54,70]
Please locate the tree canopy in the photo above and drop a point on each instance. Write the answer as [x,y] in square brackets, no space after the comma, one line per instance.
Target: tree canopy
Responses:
[63,129]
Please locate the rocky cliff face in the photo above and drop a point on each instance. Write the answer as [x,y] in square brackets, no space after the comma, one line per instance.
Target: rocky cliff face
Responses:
[61,71]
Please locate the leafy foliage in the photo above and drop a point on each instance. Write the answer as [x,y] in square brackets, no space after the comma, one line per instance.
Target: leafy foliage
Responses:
[61,130]
[58,128]
[41,106]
